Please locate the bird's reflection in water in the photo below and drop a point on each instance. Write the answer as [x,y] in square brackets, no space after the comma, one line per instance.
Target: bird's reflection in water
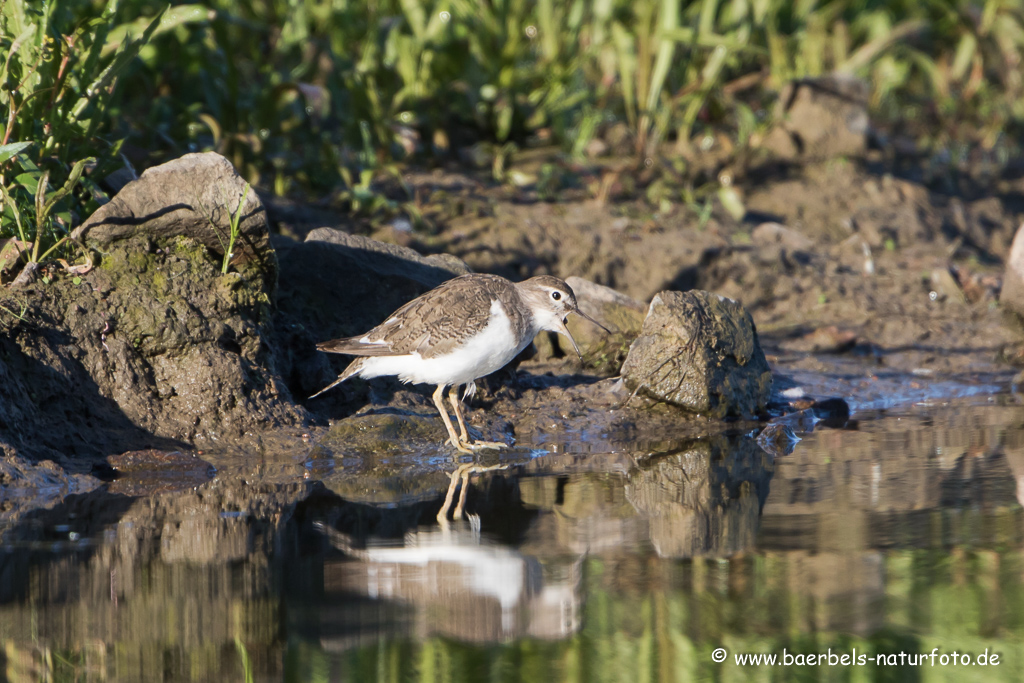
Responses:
[461,585]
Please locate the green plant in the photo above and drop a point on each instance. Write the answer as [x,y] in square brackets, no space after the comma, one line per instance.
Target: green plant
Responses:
[56,85]
[644,52]
[236,217]
[329,99]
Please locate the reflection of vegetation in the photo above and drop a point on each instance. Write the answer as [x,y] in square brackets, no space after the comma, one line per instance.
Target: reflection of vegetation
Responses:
[643,621]
[661,623]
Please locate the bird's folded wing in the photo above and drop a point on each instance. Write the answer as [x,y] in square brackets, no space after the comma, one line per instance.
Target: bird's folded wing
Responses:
[431,325]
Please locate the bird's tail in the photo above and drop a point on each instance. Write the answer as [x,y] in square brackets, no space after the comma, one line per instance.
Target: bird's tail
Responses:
[352,369]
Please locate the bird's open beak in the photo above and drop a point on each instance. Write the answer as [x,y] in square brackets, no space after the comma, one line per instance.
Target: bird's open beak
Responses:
[583,315]
[565,330]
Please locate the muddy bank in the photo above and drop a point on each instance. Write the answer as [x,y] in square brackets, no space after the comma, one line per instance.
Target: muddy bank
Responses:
[906,273]
[861,285]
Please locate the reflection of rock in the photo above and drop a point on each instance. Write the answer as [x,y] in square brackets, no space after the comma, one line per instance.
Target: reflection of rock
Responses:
[705,499]
[699,351]
[462,587]
[592,515]
[25,486]
[702,499]
[778,439]
[165,573]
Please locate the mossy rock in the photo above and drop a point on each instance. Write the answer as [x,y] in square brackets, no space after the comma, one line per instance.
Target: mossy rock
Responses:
[699,351]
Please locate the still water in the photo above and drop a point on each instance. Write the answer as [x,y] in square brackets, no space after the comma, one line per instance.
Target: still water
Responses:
[900,534]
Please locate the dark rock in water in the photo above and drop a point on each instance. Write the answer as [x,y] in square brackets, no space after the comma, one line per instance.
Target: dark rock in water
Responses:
[338,285]
[622,315]
[833,412]
[154,347]
[151,471]
[781,435]
[699,351]
[821,118]
[386,432]
[1012,294]
[778,439]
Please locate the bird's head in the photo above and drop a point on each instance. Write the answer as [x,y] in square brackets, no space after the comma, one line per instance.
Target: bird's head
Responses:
[551,300]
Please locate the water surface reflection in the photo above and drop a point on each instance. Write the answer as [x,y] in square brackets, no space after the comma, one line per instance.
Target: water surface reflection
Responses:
[903,534]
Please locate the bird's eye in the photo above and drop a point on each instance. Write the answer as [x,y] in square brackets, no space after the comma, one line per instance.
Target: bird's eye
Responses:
[556,295]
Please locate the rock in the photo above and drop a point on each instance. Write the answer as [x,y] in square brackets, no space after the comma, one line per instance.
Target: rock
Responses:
[820,118]
[11,251]
[832,412]
[1012,294]
[194,196]
[154,347]
[774,234]
[621,314]
[386,432]
[151,471]
[337,285]
[699,351]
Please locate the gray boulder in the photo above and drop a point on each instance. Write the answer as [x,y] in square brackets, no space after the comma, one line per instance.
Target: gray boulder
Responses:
[699,351]
[194,196]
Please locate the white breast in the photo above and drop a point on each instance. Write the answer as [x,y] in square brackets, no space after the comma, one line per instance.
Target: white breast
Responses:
[481,355]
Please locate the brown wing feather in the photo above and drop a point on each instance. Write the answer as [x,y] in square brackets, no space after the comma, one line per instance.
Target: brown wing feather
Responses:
[352,347]
[436,322]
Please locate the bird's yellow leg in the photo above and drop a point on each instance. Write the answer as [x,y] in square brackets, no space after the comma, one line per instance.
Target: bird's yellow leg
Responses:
[453,438]
[453,397]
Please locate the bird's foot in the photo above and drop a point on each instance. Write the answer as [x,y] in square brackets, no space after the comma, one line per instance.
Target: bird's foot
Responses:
[462,446]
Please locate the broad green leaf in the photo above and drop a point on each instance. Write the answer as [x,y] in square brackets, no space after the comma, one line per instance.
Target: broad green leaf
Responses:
[29,181]
[179,15]
[9,150]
